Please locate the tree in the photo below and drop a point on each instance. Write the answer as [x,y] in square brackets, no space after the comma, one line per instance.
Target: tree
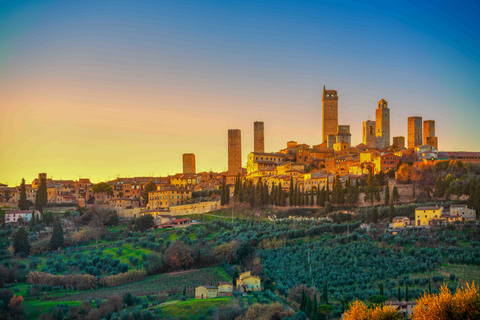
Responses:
[371,189]
[325,292]
[359,311]
[476,198]
[395,195]
[223,193]
[103,188]
[322,197]
[439,189]
[464,304]
[327,194]
[20,241]
[391,211]
[144,222]
[387,194]
[15,306]
[23,203]
[100,215]
[149,187]
[179,256]
[325,309]
[234,278]
[375,215]
[56,240]
[41,198]
[291,201]
[259,193]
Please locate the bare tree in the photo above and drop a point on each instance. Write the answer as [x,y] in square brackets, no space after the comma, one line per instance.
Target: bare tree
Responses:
[100,215]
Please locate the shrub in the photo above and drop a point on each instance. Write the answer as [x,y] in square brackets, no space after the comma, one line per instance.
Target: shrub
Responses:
[76,281]
[122,278]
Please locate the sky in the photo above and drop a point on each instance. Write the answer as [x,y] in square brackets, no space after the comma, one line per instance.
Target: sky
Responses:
[99,89]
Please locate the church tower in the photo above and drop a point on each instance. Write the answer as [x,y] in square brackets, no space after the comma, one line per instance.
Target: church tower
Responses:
[382,125]
[329,113]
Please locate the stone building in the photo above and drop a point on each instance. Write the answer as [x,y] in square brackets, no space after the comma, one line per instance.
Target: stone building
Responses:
[258,137]
[234,151]
[429,133]
[369,134]
[414,132]
[329,113]
[189,163]
[343,135]
[399,142]
[382,125]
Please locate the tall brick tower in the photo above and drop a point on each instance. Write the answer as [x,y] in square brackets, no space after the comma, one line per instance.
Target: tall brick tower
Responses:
[414,132]
[258,137]
[382,125]
[189,163]
[329,113]
[369,134]
[429,133]
[234,151]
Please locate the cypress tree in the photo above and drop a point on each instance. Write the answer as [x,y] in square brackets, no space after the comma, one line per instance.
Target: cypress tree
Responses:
[399,294]
[298,198]
[240,191]
[259,193]
[325,293]
[222,194]
[279,194]
[391,211]
[22,202]
[476,198]
[314,308]
[265,197]
[295,193]
[327,192]
[429,287]
[41,198]
[312,201]
[381,289]
[406,292]
[387,194]
[56,240]
[227,195]
[291,194]
[283,200]
[322,197]
[395,194]
[439,189]
[413,191]
[302,303]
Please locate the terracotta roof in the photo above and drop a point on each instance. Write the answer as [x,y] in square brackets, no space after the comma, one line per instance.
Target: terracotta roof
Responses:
[428,208]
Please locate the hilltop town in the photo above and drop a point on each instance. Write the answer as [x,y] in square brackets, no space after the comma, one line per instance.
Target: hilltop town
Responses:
[305,232]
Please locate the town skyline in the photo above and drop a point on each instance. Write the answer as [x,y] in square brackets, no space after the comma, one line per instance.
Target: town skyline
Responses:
[83,94]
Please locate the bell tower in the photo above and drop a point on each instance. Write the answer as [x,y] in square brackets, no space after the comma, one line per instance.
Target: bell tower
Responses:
[329,113]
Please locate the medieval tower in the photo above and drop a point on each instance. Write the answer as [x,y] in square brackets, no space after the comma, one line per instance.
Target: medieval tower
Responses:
[382,125]
[189,163]
[429,133]
[258,137]
[399,142]
[234,151]
[369,134]
[329,113]
[414,132]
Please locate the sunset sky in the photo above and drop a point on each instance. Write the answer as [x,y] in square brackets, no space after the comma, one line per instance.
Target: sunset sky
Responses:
[99,88]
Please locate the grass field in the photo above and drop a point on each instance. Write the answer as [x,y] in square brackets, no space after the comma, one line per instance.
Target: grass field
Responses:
[152,285]
[467,273]
[193,308]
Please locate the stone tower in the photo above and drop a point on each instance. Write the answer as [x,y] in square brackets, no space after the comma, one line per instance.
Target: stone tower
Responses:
[258,137]
[329,113]
[382,125]
[414,132]
[429,133]
[369,134]
[234,151]
[399,142]
[189,163]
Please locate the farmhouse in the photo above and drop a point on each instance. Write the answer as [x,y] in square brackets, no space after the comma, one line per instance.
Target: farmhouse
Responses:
[401,222]
[206,292]
[247,282]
